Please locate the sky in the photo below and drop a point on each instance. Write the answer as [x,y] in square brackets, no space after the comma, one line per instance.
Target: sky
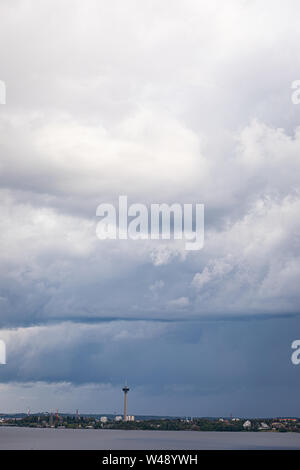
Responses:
[165,102]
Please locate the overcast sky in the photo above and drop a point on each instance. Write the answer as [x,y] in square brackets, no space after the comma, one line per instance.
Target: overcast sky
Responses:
[175,101]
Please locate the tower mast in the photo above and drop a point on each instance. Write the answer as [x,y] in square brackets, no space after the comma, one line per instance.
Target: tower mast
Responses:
[125,390]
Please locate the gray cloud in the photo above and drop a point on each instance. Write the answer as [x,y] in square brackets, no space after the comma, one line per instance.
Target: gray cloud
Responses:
[164,103]
[207,367]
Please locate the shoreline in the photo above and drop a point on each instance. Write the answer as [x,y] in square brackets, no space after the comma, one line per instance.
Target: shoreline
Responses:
[62,428]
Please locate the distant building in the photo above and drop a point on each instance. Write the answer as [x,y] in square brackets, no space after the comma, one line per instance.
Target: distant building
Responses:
[118,418]
[247,424]
[288,419]
[263,426]
[235,419]
[130,418]
[103,419]
[187,420]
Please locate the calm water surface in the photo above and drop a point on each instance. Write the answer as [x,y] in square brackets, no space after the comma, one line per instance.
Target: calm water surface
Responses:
[27,438]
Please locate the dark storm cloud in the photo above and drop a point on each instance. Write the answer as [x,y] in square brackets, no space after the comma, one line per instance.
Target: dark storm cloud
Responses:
[186,362]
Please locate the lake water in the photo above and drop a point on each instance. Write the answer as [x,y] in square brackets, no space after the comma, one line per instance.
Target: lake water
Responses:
[88,439]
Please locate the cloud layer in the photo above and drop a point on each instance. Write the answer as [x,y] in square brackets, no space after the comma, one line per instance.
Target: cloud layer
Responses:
[166,103]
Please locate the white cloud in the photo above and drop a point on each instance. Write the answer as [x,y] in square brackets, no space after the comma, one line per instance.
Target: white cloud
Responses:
[181,302]
[215,269]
